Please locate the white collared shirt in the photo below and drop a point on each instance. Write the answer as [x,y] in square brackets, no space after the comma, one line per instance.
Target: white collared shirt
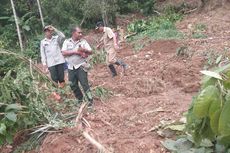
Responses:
[75,61]
[50,50]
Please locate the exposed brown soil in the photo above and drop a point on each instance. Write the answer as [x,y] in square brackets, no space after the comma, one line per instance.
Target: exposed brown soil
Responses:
[156,79]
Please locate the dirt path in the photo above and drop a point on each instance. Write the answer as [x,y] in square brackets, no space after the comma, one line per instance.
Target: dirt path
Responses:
[157,79]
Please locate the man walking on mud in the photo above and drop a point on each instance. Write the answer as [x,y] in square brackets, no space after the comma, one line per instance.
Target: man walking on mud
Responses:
[109,41]
[76,50]
[51,55]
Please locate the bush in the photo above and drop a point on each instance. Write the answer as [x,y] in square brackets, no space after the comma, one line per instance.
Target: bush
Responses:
[160,27]
[22,95]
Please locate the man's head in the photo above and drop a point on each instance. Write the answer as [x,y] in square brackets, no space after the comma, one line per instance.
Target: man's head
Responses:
[76,33]
[48,30]
[99,26]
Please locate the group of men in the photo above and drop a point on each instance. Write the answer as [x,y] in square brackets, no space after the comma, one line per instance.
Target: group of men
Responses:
[74,51]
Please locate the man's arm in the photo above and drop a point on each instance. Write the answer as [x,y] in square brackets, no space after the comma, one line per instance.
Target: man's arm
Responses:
[86,48]
[111,35]
[43,55]
[61,35]
[100,43]
[66,52]
[70,52]
[115,42]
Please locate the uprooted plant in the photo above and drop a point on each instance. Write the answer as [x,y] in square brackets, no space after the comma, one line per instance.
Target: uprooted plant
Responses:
[24,91]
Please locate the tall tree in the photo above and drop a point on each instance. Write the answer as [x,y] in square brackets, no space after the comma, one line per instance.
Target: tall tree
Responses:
[17,25]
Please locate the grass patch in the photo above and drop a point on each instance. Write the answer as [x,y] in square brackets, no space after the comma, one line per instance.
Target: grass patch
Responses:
[199,31]
[101,93]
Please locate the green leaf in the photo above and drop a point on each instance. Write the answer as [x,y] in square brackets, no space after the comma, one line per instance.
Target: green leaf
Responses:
[26,27]
[2,128]
[215,105]
[13,107]
[224,121]
[218,59]
[180,127]
[220,148]
[214,121]
[206,131]
[4,18]
[212,74]
[2,140]
[169,144]
[206,143]
[204,100]
[11,116]
[183,144]
[224,140]
[9,138]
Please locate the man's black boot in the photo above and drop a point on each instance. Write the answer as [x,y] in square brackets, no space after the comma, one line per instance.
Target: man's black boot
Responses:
[122,63]
[113,70]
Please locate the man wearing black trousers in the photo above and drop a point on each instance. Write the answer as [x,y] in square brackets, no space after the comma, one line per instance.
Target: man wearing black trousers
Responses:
[110,44]
[51,55]
[76,50]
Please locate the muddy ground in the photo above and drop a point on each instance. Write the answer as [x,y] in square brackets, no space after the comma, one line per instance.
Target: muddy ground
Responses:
[156,79]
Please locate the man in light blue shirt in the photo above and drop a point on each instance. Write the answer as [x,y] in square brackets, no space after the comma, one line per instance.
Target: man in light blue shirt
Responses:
[51,55]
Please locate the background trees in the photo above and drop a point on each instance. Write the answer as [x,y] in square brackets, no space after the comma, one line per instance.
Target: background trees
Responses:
[63,14]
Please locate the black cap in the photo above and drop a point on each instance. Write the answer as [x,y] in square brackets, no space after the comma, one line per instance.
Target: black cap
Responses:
[99,24]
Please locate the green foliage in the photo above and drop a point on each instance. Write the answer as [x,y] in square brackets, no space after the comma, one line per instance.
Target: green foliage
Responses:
[98,57]
[208,116]
[17,90]
[143,6]
[199,31]
[207,96]
[33,48]
[159,27]
[23,93]
[101,93]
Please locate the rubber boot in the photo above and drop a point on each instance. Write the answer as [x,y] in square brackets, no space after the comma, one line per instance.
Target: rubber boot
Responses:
[113,70]
[122,63]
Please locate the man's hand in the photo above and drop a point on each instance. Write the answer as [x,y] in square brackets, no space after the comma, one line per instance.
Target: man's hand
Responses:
[116,47]
[45,69]
[99,45]
[81,52]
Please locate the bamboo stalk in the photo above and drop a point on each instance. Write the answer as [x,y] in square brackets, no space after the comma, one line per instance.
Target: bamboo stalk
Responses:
[40,12]
[17,25]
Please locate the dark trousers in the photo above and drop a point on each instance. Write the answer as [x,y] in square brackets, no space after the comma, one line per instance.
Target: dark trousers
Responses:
[76,76]
[57,73]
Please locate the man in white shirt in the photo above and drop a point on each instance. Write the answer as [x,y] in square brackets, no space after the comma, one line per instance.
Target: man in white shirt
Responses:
[51,55]
[76,50]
